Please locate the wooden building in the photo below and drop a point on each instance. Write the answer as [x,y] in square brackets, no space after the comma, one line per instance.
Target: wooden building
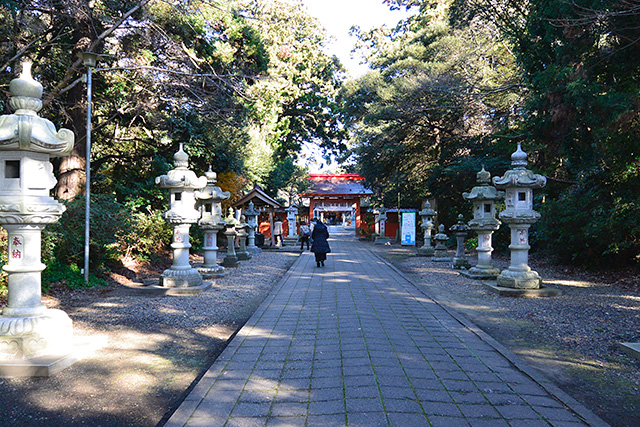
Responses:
[335,198]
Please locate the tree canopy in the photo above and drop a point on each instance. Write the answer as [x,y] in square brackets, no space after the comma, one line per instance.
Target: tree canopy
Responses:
[457,84]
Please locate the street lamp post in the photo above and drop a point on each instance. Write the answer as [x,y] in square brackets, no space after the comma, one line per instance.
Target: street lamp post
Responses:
[89,60]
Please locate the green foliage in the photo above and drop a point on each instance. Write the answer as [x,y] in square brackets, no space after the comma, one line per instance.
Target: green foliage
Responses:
[117,231]
[459,83]
[70,276]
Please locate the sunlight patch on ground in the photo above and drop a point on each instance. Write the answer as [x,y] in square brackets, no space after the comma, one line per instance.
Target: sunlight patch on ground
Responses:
[574,283]
[220,332]
[131,340]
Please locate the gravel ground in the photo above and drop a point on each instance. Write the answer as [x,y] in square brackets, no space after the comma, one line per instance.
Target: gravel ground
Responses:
[155,347]
[573,339]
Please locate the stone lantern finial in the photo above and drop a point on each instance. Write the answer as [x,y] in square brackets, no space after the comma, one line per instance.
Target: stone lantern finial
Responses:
[26,93]
[483,177]
[181,159]
[212,177]
[519,158]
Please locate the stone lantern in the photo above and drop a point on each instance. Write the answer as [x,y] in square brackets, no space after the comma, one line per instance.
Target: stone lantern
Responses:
[460,230]
[427,215]
[484,222]
[292,211]
[519,184]
[182,184]
[208,202]
[243,233]
[252,220]
[230,232]
[28,329]
[441,238]
[381,224]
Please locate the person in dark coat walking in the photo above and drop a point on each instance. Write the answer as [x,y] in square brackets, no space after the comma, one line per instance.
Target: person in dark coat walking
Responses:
[319,244]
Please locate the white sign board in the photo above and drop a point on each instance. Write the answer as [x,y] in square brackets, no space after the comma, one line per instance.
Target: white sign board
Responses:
[408,230]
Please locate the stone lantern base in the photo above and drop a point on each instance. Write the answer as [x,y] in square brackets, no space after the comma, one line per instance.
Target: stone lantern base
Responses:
[41,346]
[212,271]
[460,263]
[480,273]
[243,255]
[519,279]
[24,337]
[230,261]
[426,251]
[171,278]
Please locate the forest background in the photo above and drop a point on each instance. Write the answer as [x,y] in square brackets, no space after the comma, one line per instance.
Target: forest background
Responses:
[245,83]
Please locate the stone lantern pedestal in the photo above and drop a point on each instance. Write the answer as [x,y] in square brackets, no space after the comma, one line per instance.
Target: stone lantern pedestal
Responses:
[292,212]
[460,230]
[208,202]
[427,215]
[34,340]
[441,238]
[230,232]
[182,184]
[484,223]
[519,184]
[252,220]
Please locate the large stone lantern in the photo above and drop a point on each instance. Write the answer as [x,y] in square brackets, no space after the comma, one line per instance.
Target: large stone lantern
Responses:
[427,215]
[292,211]
[252,220]
[209,204]
[519,184]
[484,222]
[28,329]
[182,184]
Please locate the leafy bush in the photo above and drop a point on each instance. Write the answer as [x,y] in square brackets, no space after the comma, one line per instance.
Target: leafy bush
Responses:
[117,231]
[592,225]
[68,275]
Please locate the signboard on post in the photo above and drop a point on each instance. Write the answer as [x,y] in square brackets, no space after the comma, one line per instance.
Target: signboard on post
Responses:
[408,228]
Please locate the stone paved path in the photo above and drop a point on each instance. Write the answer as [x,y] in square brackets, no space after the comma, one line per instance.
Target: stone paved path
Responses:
[356,344]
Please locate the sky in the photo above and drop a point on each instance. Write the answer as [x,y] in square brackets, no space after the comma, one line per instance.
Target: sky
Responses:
[337,16]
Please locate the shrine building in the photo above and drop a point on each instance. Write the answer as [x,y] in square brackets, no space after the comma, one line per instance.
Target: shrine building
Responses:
[335,198]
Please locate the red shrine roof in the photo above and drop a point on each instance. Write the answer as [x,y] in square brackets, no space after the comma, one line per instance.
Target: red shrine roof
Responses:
[341,184]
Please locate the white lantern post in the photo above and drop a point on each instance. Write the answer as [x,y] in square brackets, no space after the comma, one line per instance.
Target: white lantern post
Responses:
[519,184]
[209,204]
[484,222]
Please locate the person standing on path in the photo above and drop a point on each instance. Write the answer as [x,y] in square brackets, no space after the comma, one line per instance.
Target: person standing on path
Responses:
[305,233]
[277,231]
[319,244]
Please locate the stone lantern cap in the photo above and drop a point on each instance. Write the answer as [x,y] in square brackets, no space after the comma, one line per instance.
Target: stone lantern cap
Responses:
[181,177]
[24,130]
[484,191]
[519,176]
[251,210]
[427,211]
[211,192]
[440,236]
[460,227]
[231,219]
